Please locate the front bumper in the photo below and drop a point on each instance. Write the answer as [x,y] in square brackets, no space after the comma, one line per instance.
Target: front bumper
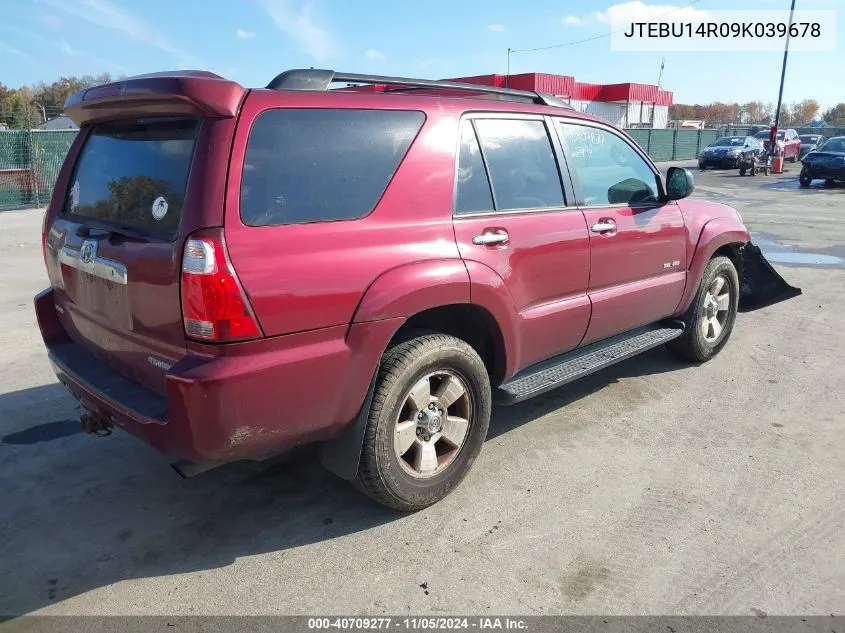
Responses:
[249,401]
[722,162]
[822,171]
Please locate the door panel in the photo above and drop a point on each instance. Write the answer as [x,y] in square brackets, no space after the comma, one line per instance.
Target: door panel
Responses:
[637,244]
[541,253]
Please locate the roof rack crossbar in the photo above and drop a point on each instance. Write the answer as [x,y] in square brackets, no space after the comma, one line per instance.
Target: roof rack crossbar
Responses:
[318,79]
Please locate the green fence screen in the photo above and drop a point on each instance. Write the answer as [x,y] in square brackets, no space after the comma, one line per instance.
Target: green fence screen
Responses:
[30,161]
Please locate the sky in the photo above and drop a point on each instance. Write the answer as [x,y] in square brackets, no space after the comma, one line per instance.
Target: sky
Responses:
[250,41]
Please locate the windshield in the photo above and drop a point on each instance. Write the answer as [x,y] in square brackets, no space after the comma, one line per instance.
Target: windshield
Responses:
[765,135]
[805,138]
[729,141]
[834,145]
[134,174]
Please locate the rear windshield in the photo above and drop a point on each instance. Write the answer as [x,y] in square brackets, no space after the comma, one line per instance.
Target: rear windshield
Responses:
[134,174]
[322,165]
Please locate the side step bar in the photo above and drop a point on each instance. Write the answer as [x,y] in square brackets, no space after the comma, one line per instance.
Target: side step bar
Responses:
[580,362]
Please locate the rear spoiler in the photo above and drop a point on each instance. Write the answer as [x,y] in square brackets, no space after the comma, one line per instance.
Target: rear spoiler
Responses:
[175,92]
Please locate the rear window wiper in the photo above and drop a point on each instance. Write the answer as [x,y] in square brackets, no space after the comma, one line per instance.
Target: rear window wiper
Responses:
[83,230]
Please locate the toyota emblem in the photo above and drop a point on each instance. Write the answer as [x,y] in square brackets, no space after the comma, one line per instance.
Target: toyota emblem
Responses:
[88,251]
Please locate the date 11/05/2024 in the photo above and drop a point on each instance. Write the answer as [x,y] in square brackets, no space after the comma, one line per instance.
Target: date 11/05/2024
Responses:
[416,624]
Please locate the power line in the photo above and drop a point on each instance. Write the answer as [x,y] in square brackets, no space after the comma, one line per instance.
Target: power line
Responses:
[596,37]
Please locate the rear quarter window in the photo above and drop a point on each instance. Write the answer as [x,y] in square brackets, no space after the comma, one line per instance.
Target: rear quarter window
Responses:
[322,165]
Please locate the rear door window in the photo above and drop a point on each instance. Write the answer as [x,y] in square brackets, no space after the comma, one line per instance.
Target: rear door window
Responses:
[134,174]
[521,162]
[322,165]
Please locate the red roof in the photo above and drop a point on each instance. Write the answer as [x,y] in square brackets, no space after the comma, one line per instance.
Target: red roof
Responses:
[562,86]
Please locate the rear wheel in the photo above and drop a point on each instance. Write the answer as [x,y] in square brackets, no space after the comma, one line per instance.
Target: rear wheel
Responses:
[742,171]
[702,166]
[710,319]
[753,170]
[428,420]
[829,182]
[805,179]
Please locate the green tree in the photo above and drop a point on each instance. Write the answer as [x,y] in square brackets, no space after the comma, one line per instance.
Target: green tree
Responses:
[835,115]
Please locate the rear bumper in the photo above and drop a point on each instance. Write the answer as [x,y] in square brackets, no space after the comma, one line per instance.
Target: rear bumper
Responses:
[249,401]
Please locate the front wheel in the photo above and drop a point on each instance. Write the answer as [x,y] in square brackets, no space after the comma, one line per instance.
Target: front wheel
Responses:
[710,319]
[428,420]
[805,179]
[742,171]
[753,170]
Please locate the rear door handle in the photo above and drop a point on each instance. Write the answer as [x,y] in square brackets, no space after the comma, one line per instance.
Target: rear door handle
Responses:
[491,237]
[603,227]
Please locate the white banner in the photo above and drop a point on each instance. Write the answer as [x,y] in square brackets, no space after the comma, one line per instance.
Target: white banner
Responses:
[729,31]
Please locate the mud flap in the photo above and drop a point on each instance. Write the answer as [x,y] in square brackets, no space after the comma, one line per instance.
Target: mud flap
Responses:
[761,284]
[342,454]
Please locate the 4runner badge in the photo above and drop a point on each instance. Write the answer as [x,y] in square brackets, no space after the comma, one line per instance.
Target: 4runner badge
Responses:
[155,362]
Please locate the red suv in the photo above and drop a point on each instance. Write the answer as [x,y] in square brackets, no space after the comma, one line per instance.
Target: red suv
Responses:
[237,272]
[788,142]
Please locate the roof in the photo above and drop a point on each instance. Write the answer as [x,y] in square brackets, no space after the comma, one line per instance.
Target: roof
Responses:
[60,122]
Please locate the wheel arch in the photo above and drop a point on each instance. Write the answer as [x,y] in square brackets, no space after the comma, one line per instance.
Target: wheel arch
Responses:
[722,236]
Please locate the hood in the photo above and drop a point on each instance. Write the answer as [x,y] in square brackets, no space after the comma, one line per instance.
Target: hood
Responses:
[823,156]
[707,208]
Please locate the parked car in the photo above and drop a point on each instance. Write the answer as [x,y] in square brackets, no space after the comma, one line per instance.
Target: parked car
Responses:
[728,152]
[827,162]
[787,140]
[237,272]
[809,143]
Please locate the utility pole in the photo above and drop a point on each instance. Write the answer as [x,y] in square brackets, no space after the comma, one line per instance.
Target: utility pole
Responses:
[508,75]
[774,133]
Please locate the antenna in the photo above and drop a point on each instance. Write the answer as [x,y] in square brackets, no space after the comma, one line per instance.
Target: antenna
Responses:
[660,76]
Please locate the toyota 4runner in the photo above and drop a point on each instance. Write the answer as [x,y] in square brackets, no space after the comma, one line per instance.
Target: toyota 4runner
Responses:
[237,272]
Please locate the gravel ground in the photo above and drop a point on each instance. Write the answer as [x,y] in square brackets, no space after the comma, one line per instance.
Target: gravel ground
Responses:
[652,487]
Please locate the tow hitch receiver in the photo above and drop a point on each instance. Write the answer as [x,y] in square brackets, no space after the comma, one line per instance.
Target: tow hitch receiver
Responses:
[761,284]
[95,424]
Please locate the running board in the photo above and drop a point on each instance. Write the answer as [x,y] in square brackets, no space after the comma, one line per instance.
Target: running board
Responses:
[580,362]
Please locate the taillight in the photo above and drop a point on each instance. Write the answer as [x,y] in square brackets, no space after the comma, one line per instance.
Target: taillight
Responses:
[214,306]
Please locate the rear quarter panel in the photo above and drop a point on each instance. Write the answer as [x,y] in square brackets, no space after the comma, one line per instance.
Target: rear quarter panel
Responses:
[307,276]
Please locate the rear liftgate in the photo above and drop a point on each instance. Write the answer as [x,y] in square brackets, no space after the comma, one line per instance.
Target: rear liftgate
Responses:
[761,284]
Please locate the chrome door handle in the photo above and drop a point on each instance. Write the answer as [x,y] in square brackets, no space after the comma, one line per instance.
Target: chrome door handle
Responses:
[490,239]
[602,227]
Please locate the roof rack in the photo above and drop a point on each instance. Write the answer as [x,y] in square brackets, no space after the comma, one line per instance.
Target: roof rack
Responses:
[317,79]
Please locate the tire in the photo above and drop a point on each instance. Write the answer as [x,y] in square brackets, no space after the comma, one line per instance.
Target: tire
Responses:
[696,344]
[412,481]
[804,179]
[829,182]
[702,167]
[742,171]
[753,171]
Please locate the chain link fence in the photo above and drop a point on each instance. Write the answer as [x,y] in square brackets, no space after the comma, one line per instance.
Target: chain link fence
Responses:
[30,161]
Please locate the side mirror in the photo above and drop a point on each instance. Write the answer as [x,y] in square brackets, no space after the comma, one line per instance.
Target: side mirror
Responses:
[680,183]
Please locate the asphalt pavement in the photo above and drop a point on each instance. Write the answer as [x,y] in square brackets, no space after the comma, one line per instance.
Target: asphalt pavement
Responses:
[653,487]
